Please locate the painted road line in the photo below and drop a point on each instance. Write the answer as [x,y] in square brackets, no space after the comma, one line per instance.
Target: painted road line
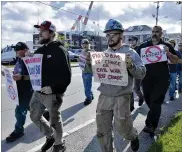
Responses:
[65,134]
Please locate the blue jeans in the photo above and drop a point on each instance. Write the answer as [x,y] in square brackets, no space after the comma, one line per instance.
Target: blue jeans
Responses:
[87,82]
[172,86]
[20,114]
[180,80]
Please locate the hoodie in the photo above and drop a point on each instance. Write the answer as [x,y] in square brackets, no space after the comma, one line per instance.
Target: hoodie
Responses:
[56,69]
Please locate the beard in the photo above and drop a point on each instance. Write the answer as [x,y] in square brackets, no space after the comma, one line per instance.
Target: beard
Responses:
[44,41]
[113,44]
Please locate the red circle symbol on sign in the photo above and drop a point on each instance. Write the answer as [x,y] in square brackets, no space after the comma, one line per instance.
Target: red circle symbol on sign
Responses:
[158,58]
[12,92]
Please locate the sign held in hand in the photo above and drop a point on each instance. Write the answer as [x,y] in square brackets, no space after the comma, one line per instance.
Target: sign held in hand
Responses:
[109,68]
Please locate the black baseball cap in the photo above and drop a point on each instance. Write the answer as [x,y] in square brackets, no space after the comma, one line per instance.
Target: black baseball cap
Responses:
[85,41]
[20,46]
[133,38]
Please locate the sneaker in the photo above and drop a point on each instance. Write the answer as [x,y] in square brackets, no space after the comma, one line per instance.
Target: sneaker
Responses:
[149,129]
[172,98]
[59,148]
[92,97]
[48,144]
[87,102]
[14,136]
[140,102]
[135,144]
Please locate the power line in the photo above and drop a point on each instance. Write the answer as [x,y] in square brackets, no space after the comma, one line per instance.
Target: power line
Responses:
[63,10]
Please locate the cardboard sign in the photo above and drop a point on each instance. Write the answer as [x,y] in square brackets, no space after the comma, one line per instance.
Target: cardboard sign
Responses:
[109,68]
[82,61]
[153,54]
[34,66]
[11,86]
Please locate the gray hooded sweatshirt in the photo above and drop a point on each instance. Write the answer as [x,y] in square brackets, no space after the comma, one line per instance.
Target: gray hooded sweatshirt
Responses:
[138,71]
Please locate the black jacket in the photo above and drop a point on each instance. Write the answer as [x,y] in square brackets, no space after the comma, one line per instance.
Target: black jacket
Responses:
[56,69]
[160,69]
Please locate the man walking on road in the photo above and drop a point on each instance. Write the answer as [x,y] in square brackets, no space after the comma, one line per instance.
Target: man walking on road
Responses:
[173,74]
[87,72]
[137,82]
[114,101]
[156,82]
[25,91]
[179,67]
[56,76]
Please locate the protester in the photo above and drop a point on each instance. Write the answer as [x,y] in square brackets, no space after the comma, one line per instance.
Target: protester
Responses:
[179,67]
[156,82]
[137,82]
[173,74]
[87,72]
[24,87]
[114,101]
[56,76]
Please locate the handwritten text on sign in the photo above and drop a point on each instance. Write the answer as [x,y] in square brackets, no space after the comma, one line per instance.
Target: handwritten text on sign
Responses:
[34,66]
[82,61]
[109,68]
[153,54]
[11,86]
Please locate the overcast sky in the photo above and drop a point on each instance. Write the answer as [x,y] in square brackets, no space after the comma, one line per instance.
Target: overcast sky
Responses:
[18,18]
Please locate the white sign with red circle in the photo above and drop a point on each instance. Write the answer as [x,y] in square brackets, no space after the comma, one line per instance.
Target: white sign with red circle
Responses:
[11,86]
[153,54]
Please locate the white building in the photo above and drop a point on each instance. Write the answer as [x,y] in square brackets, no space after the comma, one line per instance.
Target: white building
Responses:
[143,32]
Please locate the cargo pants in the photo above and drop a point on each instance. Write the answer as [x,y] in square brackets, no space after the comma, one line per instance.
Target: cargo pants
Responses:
[119,109]
[53,104]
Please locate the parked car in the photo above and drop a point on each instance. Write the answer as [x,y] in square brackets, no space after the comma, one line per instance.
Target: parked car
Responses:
[73,56]
[76,51]
[8,55]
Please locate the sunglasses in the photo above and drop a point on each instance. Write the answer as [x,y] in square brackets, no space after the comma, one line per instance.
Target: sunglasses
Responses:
[111,35]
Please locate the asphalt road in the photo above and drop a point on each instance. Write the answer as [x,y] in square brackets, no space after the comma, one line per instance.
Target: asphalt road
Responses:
[73,112]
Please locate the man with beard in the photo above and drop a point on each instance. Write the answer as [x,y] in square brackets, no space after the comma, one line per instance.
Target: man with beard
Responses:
[56,76]
[137,82]
[156,82]
[114,101]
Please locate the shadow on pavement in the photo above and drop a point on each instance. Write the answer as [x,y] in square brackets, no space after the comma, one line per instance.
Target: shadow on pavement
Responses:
[69,112]
[32,133]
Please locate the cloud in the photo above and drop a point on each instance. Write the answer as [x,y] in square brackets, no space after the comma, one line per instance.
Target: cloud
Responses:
[18,18]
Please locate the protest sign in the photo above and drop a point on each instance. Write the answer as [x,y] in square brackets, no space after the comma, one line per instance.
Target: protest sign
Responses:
[82,61]
[11,86]
[109,68]
[153,54]
[34,67]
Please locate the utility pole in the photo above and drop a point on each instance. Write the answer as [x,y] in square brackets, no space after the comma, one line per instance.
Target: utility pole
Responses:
[157,12]
[180,3]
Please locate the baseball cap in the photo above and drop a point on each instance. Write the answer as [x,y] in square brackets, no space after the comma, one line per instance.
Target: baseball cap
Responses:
[46,25]
[85,41]
[133,38]
[20,46]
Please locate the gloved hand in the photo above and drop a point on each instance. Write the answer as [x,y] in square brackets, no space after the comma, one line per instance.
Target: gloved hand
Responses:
[46,90]
[129,61]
